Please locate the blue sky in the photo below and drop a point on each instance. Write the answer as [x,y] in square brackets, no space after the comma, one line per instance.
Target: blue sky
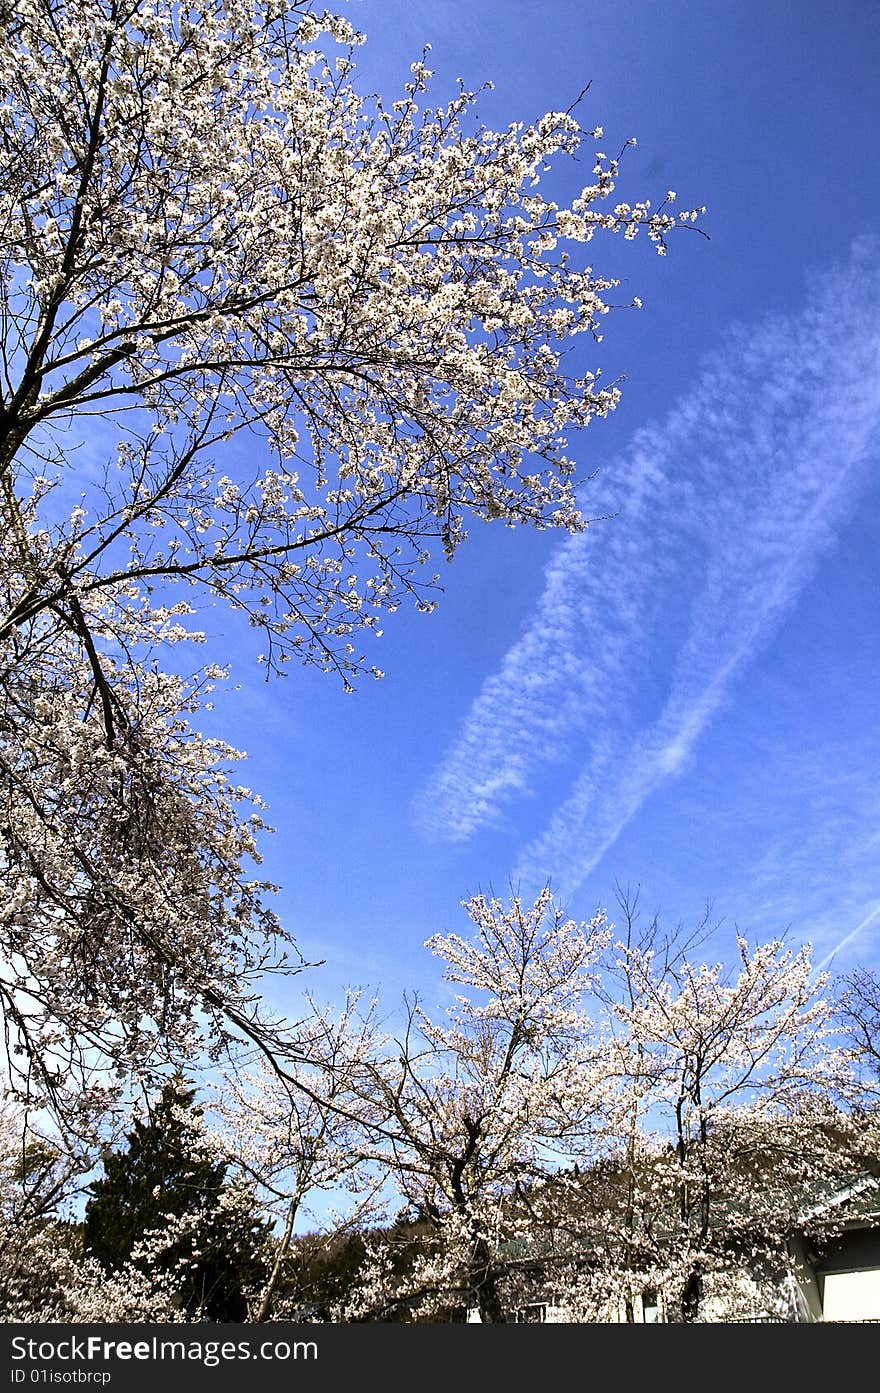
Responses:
[687,697]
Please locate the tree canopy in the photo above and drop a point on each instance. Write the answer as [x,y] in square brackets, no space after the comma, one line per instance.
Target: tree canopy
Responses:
[266,343]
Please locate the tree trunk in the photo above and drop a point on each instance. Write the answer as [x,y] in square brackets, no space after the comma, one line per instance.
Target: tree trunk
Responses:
[484,1285]
[281,1252]
[690,1297]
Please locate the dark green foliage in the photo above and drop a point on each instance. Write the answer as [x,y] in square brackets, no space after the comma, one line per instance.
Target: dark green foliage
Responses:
[326,1270]
[166,1171]
[321,1271]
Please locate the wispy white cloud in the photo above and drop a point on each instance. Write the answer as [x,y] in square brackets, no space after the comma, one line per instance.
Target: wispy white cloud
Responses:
[723,510]
[870,918]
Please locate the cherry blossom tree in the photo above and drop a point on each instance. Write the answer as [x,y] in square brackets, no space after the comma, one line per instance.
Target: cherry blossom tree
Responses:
[34,1181]
[133,935]
[730,1082]
[45,1274]
[470,1108]
[266,343]
[206,231]
[300,1133]
[858,1014]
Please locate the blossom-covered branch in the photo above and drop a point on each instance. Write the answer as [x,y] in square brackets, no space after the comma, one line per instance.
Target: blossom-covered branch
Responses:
[207,232]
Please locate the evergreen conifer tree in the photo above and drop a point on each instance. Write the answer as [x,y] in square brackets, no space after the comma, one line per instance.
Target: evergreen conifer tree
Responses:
[167,1180]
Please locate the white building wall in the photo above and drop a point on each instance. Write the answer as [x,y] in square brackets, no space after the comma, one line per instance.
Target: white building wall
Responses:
[852,1295]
